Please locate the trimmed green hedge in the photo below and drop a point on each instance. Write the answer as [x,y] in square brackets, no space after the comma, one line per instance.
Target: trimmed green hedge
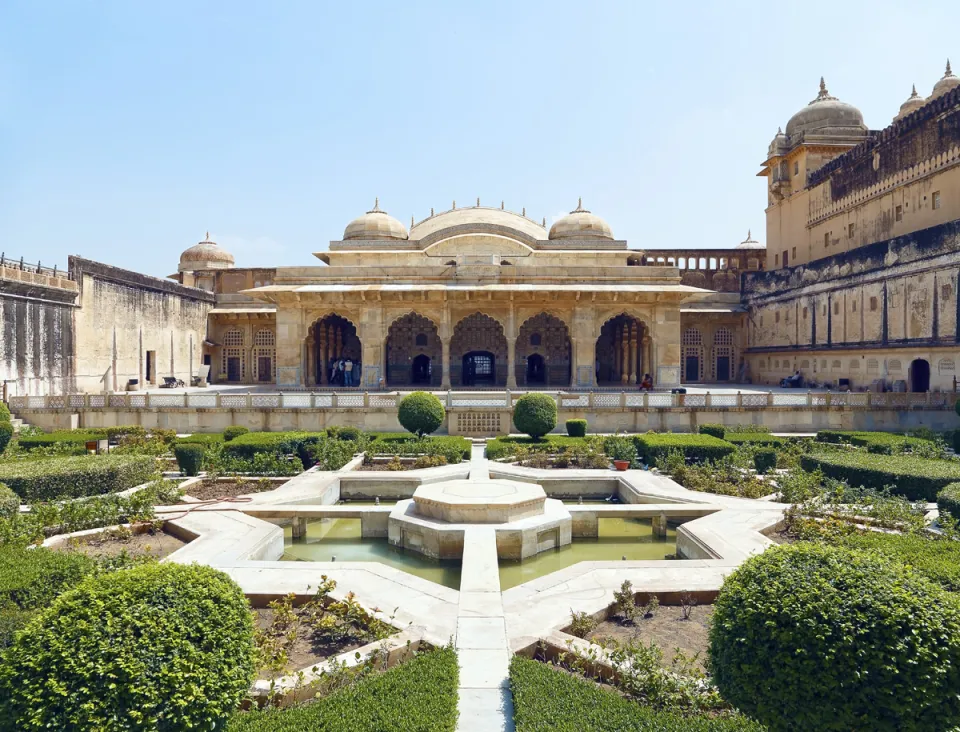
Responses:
[277,443]
[714,430]
[6,434]
[812,637]
[189,457]
[754,438]
[698,448]
[883,443]
[765,459]
[201,438]
[576,427]
[234,431]
[948,500]
[914,478]
[9,501]
[501,447]
[421,413]
[547,699]
[419,695]
[77,476]
[936,559]
[402,443]
[535,414]
[76,438]
[157,647]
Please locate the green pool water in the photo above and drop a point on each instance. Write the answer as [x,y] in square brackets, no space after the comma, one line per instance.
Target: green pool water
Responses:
[340,538]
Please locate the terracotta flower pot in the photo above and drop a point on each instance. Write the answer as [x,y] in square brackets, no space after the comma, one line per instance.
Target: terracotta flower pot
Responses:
[621,464]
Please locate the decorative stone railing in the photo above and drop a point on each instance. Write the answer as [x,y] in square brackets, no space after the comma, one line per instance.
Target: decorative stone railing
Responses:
[486,400]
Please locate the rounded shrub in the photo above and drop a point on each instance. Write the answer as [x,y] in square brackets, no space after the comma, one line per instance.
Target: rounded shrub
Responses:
[826,638]
[715,430]
[6,434]
[5,415]
[158,647]
[765,459]
[189,457]
[535,414]
[350,433]
[956,441]
[9,502]
[234,431]
[420,413]
[576,427]
[948,500]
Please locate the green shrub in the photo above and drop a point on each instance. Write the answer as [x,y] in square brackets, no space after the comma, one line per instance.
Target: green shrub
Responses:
[347,432]
[234,431]
[501,447]
[620,448]
[127,430]
[884,443]
[75,438]
[9,502]
[754,438]
[331,454]
[453,449]
[5,415]
[948,500]
[201,438]
[535,414]
[914,478]
[714,430]
[576,427]
[935,558]
[277,443]
[6,434]
[765,459]
[546,699]
[419,695]
[189,457]
[73,477]
[157,647]
[827,638]
[421,413]
[653,446]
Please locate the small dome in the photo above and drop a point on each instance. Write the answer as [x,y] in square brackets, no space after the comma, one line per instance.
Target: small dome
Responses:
[750,243]
[911,105]
[580,224]
[205,255]
[375,224]
[826,116]
[778,144]
[948,83]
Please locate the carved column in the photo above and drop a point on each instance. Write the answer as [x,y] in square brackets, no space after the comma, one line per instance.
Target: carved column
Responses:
[624,354]
[323,357]
[648,369]
[573,363]
[445,361]
[633,353]
[511,333]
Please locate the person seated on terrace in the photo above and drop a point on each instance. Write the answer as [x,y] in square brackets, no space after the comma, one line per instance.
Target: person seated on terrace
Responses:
[647,383]
[792,382]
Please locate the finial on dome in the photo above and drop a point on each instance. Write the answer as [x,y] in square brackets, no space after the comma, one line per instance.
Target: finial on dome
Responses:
[376,206]
[207,237]
[454,204]
[579,208]
[949,71]
[913,92]
[431,211]
[411,221]
[543,223]
[779,130]
[748,234]
[501,205]
[478,201]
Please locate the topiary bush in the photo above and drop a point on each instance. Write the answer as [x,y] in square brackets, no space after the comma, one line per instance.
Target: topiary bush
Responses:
[348,432]
[535,414]
[62,438]
[714,430]
[948,500]
[421,413]
[576,427]
[189,457]
[234,431]
[9,502]
[765,459]
[826,638]
[157,647]
[76,476]
[6,434]
[5,415]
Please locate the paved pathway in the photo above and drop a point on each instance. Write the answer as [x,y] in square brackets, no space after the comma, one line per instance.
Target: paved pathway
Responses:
[486,704]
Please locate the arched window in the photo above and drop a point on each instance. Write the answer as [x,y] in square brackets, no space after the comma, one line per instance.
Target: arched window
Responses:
[691,364]
[535,339]
[233,338]
[264,337]
[421,339]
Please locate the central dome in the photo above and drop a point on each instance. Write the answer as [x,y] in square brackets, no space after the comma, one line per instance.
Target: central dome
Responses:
[375,224]
[581,224]
[826,116]
[477,218]
[750,243]
[205,255]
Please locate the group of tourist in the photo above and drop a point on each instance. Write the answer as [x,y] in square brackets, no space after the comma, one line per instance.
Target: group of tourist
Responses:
[345,372]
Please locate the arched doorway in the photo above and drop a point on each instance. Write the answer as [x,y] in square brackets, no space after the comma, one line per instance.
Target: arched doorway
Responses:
[479,337]
[329,340]
[543,352]
[536,370]
[723,355]
[421,371]
[920,375]
[413,347]
[478,369]
[620,354]
[691,344]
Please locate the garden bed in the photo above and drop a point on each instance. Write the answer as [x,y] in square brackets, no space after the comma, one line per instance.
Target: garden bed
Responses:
[208,490]
[137,542]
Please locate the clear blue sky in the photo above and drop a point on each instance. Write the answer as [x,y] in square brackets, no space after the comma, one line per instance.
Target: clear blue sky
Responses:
[127,129]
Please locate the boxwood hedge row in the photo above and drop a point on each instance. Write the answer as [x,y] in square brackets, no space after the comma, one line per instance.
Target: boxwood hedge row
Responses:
[936,559]
[753,438]
[914,478]
[501,447]
[419,695]
[546,699]
[948,500]
[698,448]
[76,476]
[76,438]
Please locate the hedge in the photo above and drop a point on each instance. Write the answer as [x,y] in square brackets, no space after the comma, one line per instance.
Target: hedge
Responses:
[157,647]
[77,476]
[419,695]
[914,478]
[714,430]
[6,434]
[535,414]
[812,637]
[545,698]
[234,431]
[455,449]
[765,459]
[501,447]
[201,438]
[76,438]
[576,427]
[282,443]
[753,438]
[9,501]
[884,443]
[5,415]
[698,448]
[421,413]
[948,500]
[189,457]
[935,558]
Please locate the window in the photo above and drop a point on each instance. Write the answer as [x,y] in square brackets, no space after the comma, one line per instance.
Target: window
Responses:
[936,200]
[776,260]
[233,338]
[793,253]
[826,239]
[899,213]
[836,308]
[535,339]
[796,167]
[264,338]
[421,339]
[851,229]
[873,304]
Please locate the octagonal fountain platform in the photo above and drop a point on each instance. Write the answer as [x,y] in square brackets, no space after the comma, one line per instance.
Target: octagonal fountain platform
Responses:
[525,521]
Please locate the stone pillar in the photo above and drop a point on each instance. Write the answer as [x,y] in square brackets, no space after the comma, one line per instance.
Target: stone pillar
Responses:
[645,356]
[624,346]
[445,363]
[633,353]
[573,364]
[511,333]
[323,355]
[660,526]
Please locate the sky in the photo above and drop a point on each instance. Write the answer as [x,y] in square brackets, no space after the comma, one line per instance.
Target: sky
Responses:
[129,129]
